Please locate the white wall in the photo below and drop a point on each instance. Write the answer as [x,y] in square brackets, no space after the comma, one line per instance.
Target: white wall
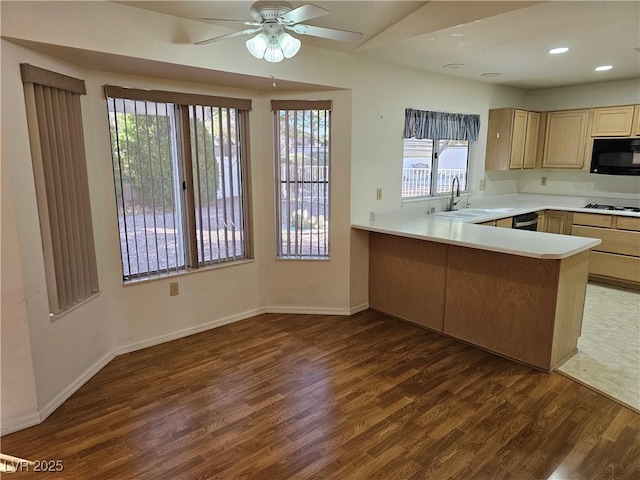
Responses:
[623,92]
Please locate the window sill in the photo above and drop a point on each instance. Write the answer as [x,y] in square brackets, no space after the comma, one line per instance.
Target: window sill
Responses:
[53,317]
[188,271]
[304,259]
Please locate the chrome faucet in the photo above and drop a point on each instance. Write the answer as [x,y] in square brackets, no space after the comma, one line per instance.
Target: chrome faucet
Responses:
[452,203]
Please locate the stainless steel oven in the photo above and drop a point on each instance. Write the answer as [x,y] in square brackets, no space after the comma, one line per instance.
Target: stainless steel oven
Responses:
[526,221]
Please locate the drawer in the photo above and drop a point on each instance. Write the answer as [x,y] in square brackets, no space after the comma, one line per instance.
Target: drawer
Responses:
[615,266]
[613,241]
[627,223]
[592,219]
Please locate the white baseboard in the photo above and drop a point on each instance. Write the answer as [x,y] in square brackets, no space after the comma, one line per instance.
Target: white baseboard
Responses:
[20,423]
[359,308]
[61,397]
[301,310]
[185,332]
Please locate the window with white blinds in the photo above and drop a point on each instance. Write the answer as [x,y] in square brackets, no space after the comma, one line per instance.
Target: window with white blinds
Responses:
[181,180]
[302,156]
[59,165]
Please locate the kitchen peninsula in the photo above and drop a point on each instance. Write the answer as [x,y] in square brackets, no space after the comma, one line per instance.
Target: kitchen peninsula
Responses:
[516,293]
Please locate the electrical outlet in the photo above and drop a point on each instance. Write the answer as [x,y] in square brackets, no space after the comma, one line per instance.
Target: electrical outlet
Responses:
[378,194]
[543,181]
[174,289]
[482,184]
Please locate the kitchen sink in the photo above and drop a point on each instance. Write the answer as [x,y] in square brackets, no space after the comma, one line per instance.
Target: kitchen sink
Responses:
[467,213]
[471,213]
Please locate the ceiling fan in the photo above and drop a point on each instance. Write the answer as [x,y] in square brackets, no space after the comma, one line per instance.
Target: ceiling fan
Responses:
[271,20]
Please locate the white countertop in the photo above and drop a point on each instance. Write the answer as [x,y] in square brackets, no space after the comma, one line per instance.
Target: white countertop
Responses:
[415,223]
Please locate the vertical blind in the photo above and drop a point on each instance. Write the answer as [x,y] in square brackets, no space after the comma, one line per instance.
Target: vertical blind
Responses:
[60,173]
[302,143]
[425,124]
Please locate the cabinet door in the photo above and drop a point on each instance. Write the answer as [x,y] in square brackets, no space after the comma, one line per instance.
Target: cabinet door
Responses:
[518,133]
[531,140]
[565,139]
[499,139]
[541,222]
[557,222]
[612,122]
[504,222]
[637,117]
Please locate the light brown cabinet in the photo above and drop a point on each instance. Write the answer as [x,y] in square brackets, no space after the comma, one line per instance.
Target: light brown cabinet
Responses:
[541,221]
[637,120]
[566,139]
[504,222]
[512,139]
[557,222]
[527,309]
[612,121]
[501,222]
[617,259]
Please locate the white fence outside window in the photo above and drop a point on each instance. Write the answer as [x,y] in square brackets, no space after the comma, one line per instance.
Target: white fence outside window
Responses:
[416,181]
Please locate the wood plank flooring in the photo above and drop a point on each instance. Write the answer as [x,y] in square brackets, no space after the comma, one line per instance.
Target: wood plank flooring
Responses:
[329,397]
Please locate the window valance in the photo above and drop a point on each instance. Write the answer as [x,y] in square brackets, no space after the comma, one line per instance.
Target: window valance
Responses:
[422,124]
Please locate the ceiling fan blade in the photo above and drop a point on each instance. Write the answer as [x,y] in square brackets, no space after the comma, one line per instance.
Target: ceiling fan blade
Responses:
[330,33]
[243,22]
[230,35]
[303,13]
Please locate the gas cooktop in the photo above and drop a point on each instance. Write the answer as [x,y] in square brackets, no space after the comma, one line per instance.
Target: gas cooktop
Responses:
[612,207]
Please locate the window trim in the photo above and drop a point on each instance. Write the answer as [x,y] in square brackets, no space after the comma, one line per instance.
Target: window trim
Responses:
[182,103]
[433,185]
[278,106]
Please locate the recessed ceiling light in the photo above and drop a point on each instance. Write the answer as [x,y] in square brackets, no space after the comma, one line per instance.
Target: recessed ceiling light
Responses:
[457,34]
[604,68]
[556,51]
[453,65]
[490,74]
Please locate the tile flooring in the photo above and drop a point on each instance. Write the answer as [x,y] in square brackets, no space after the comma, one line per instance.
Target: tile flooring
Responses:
[608,358]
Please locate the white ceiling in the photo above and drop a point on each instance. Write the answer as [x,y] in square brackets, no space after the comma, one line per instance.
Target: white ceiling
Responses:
[511,38]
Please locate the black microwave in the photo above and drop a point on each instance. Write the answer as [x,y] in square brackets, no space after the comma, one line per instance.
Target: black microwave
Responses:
[616,156]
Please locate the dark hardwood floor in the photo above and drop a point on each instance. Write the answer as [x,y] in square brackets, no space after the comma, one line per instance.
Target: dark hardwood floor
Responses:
[327,397]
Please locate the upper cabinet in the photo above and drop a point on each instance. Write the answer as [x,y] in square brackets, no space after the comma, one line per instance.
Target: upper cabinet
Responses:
[637,122]
[613,122]
[531,140]
[566,139]
[512,139]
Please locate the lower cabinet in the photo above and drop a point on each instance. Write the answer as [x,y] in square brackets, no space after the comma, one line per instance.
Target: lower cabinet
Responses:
[557,222]
[398,270]
[617,259]
[504,222]
[501,222]
[526,309]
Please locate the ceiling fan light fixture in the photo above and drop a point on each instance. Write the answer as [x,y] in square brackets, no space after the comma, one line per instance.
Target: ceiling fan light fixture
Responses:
[290,45]
[274,53]
[257,45]
[273,48]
